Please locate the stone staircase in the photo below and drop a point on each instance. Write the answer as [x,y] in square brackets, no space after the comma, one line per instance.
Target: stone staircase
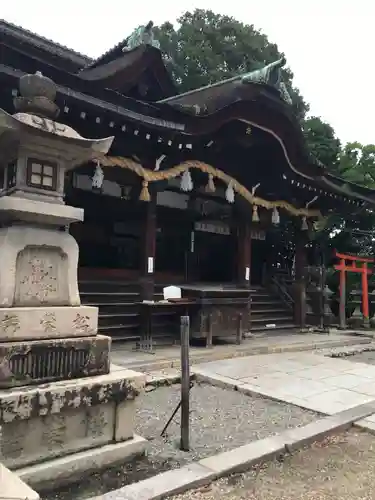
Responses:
[269,312]
[119,310]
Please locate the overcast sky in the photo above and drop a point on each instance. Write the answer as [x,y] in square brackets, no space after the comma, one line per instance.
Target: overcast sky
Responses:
[329,44]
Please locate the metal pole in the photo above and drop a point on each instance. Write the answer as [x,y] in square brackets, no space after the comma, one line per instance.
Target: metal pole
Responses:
[185,383]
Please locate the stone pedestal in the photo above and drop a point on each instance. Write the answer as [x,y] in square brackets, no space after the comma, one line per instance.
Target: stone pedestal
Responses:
[47,338]
[55,423]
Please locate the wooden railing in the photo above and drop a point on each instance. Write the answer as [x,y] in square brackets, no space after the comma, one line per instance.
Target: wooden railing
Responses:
[282,289]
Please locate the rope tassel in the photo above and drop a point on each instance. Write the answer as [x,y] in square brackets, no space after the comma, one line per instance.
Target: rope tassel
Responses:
[275,216]
[255,216]
[210,186]
[229,193]
[186,181]
[145,194]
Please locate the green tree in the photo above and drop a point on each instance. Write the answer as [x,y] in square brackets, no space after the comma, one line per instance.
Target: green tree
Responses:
[207,47]
[357,164]
[322,142]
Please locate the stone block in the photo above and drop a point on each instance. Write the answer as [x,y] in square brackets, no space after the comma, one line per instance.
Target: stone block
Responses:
[20,208]
[30,402]
[12,487]
[163,485]
[58,419]
[303,436]
[70,468]
[242,458]
[125,418]
[39,361]
[33,323]
[38,267]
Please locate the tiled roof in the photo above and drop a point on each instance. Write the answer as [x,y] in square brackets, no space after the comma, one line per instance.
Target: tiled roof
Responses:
[44,43]
[109,55]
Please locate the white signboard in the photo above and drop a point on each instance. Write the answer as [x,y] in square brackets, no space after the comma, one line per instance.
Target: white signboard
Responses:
[150,265]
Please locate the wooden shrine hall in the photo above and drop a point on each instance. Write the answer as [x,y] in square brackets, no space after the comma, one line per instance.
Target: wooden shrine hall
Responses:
[195,192]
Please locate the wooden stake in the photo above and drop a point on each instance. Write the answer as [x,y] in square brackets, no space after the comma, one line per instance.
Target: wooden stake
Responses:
[185,383]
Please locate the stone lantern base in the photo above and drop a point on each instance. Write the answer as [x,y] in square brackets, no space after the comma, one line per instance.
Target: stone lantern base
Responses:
[53,433]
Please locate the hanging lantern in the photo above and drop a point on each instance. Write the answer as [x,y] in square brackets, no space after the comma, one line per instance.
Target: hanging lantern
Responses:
[275,216]
[186,182]
[98,177]
[229,193]
[304,225]
[210,186]
[255,216]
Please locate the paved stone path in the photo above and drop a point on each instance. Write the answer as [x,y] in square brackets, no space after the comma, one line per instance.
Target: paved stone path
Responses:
[167,357]
[319,383]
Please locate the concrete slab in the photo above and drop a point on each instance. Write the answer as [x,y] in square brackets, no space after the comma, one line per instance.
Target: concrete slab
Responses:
[169,357]
[244,457]
[163,485]
[326,385]
[65,469]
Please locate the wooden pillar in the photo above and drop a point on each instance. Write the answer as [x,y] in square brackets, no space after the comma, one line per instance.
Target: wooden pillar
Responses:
[342,290]
[300,283]
[191,246]
[365,302]
[147,271]
[244,253]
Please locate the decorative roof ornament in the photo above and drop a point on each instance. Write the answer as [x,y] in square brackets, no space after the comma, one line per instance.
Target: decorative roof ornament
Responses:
[270,75]
[143,35]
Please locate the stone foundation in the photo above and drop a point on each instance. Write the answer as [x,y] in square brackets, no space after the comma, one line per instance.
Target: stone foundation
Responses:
[58,419]
[39,361]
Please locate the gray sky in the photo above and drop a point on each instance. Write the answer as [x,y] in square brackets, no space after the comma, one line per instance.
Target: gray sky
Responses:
[329,44]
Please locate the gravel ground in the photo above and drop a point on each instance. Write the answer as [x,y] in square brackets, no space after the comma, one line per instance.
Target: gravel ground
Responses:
[367,357]
[220,420]
[340,468]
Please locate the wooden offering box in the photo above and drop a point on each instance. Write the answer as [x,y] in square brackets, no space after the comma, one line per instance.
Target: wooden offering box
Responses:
[218,311]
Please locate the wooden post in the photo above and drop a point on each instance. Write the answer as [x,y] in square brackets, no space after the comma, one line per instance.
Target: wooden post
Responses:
[244,253]
[239,329]
[365,301]
[147,280]
[342,295]
[185,383]
[300,285]
[209,331]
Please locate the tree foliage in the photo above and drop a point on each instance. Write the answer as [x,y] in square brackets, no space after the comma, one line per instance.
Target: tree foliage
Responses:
[322,142]
[207,47]
[357,164]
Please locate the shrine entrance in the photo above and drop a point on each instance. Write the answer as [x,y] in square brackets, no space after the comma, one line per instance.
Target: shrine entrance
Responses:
[215,252]
[259,250]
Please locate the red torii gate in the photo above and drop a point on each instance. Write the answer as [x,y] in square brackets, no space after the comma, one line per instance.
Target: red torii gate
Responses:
[352,267]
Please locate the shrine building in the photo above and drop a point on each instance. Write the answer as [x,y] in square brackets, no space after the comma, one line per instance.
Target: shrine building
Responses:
[195,191]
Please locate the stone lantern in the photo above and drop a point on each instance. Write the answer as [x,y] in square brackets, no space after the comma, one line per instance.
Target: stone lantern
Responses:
[46,335]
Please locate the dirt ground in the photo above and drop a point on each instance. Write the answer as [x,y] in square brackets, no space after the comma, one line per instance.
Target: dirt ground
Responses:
[340,468]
